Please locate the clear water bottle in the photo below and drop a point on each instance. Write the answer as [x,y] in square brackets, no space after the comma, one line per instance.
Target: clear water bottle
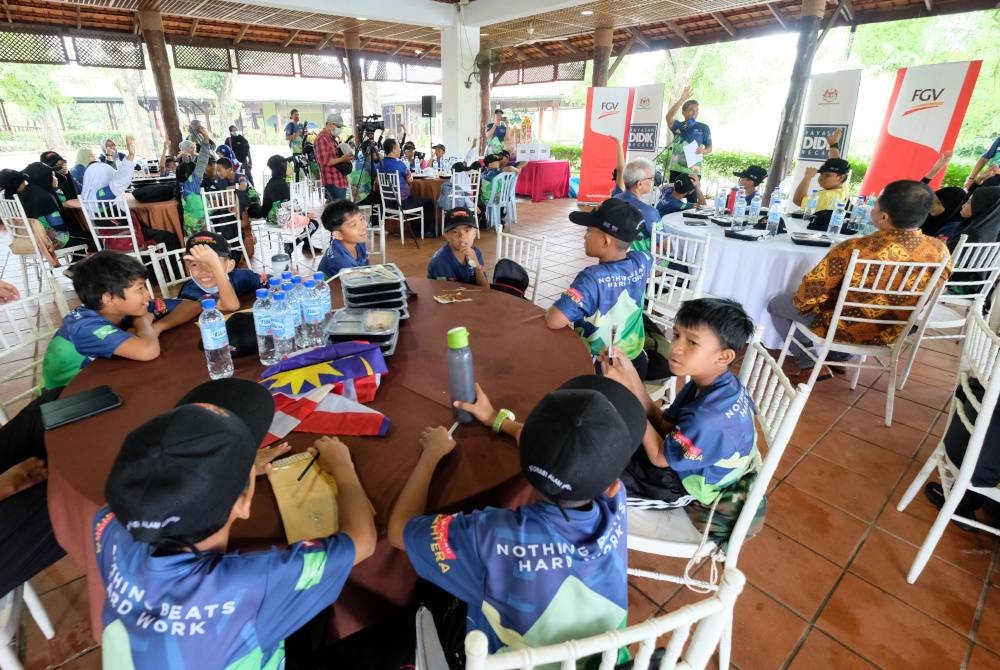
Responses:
[282,326]
[836,220]
[312,315]
[286,275]
[721,196]
[460,377]
[859,215]
[294,301]
[262,307]
[774,216]
[324,289]
[755,205]
[739,209]
[274,285]
[811,202]
[215,340]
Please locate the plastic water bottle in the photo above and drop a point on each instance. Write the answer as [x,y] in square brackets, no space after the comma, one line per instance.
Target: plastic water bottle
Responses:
[282,326]
[836,220]
[312,315]
[216,340]
[739,209]
[460,377]
[294,301]
[860,215]
[755,205]
[324,290]
[262,307]
[720,201]
[274,285]
[286,275]
[811,202]
[774,217]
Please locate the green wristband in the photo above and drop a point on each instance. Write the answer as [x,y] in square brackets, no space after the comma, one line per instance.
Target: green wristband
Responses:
[502,416]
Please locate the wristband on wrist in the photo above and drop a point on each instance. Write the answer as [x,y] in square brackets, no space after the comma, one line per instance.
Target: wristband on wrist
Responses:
[835,145]
[502,415]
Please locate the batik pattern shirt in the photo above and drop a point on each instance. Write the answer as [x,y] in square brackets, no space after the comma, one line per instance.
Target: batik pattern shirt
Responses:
[821,286]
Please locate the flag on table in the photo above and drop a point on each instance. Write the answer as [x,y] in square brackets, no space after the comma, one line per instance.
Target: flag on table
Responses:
[322,411]
[332,364]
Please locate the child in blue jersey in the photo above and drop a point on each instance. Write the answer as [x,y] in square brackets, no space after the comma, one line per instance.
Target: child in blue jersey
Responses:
[214,274]
[189,181]
[550,571]
[348,237]
[678,196]
[706,440]
[117,318]
[604,302]
[459,259]
[177,597]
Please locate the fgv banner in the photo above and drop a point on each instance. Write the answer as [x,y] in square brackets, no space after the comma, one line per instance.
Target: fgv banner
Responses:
[607,120]
[925,113]
[645,122]
[830,104]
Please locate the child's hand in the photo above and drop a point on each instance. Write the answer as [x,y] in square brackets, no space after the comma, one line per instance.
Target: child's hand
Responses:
[620,369]
[834,137]
[262,463]
[203,253]
[482,409]
[436,442]
[142,323]
[8,293]
[332,453]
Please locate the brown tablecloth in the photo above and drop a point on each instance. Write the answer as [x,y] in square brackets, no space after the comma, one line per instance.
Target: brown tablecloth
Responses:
[155,215]
[516,358]
[428,188]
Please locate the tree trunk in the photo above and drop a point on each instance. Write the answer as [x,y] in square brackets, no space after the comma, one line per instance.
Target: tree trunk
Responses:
[52,129]
[127,83]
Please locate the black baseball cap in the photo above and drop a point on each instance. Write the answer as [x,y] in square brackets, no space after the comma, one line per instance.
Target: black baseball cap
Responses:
[615,217]
[835,165]
[11,180]
[460,216]
[437,146]
[491,158]
[579,438]
[753,172]
[178,475]
[212,239]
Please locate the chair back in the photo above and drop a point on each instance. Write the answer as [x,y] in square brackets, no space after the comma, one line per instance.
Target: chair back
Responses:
[111,226]
[307,194]
[779,405]
[695,631]
[980,360]
[678,273]
[168,269]
[376,234]
[502,188]
[25,326]
[24,240]
[388,188]
[886,294]
[975,268]
[465,188]
[527,252]
[222,215]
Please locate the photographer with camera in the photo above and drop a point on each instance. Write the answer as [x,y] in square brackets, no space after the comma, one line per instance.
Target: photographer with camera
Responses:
[392,163]
[333,158]
[295,134]
[367,157]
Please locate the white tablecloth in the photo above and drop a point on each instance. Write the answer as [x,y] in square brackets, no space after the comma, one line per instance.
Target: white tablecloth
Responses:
[751,272]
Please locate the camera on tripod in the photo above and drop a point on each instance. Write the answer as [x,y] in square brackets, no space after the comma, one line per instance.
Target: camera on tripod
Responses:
[371,123]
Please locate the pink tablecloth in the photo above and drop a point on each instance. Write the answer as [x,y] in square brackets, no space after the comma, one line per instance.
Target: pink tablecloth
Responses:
[541,178]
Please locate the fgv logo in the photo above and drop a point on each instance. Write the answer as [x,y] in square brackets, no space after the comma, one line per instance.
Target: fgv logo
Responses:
[609,108]
[925,98]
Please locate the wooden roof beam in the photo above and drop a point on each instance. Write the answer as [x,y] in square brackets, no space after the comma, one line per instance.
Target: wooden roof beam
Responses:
[242,33]
[399,48]
[79,17]
[194,28]
[621,56]
[291,39]
[777,15]
[636,36]
[726,24]
[677,30]
[426,52]
[326,40]
[929,4]
[847,9]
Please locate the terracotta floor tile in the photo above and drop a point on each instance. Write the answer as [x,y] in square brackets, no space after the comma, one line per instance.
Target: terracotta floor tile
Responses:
[940,425]
[818,525]
[904,411]
[899,437]
[932,392]
[943,591]
[983,659]
[640,607]
[815,420]
[988,634]
[936,359]
[890,633]
[822,651]
[67,609]
[837,389]
[852,492]
[59,573]
[788,460]
[865,458]
[764,631]
[89,661]
[791,573]
[657,590]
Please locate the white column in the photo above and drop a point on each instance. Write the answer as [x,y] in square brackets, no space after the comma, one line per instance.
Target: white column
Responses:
[459,103]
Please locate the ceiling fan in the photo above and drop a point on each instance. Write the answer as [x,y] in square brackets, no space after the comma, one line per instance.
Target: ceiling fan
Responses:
[531,37]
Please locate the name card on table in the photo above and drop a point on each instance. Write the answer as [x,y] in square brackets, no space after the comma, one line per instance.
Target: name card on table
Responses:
[533,152]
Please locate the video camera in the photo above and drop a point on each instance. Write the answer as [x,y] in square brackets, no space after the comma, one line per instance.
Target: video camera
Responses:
[419,155]
[371,123]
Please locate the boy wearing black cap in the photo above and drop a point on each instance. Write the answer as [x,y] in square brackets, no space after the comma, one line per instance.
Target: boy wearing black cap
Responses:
[117,317]
[547,572]
[214,274]
[750,179]
[176,598]
[604,302]
[833,174]
[683,194]
[459,259]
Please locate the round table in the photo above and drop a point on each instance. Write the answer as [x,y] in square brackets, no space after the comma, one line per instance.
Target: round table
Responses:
[517,359]
[539,179]
[428,187]
[156,215]
[751,272]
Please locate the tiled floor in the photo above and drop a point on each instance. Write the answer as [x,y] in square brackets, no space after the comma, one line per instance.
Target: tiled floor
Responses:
[826,576]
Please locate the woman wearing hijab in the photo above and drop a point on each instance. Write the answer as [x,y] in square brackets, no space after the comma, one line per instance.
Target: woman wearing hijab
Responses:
[944,210]
[982,214]
[112,156]
[46,223]
[67,189]
[43,194]
[276,190]
[103,182]
[84,157]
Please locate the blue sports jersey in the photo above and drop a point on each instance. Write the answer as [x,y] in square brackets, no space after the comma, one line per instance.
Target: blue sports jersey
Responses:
[244,282]
[233,610]
[390,164]
[714,441]
[991,153]
[668,204]
[606,295]
[650,217]
[337,257]
[529,576]
[444,265]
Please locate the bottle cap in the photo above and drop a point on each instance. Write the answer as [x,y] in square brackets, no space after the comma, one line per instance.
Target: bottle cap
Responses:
[310,283]
[458,338]
[287,274]
[261,293]
[208,303]
[286,285]
[274,281]
[279,295]
[296,279]
[319,276]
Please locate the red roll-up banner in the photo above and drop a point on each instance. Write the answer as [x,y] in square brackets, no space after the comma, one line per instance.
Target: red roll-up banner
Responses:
[925,113]
[607,120]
